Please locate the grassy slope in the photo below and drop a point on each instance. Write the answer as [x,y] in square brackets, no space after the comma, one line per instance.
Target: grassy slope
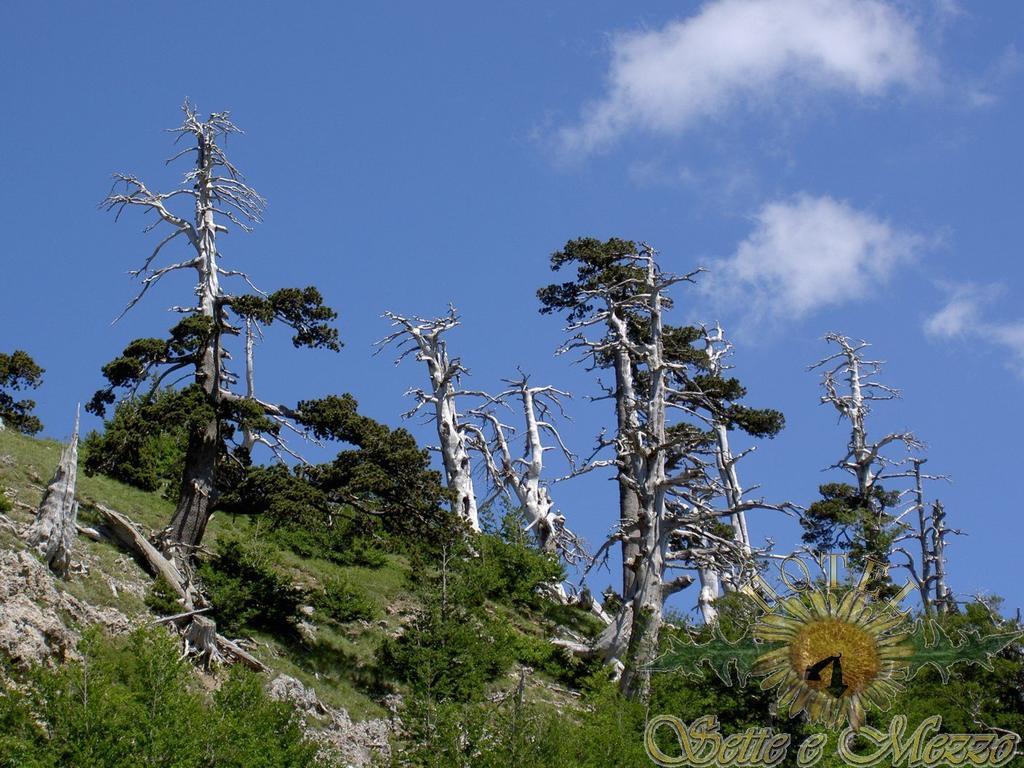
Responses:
[334,663]
[338,663]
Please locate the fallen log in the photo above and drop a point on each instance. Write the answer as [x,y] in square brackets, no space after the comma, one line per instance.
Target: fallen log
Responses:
[243,656]
[179,616]
[131,538]
[89,533]
[200,633]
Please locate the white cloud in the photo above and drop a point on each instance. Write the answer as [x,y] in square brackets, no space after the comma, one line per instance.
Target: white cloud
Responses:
[962,316]
[732,50]
[961,313]
[812,252]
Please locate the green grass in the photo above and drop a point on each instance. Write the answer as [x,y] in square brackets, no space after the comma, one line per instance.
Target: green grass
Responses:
[339,663]
[336,664]
[27,464]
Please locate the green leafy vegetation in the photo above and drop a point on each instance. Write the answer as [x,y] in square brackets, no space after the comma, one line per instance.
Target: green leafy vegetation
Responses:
[342,602]
[461,631]
[132,702]
[19,372]
[143,444]
[246,588]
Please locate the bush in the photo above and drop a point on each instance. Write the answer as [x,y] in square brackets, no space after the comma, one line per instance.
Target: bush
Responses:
[301,517]
[132,702]
[5,503]
[524,734]
[144,443]
[161,599]
[245,589]
[342,602]
[508,566]
[335,544]
[457,647]
[449,655]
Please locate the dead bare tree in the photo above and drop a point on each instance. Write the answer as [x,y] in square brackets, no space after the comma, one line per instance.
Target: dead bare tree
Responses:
[865,460]
[927,567]
[717,348]
[522,479]
[53,531]
[424,339]
[198,345]
[849,381]
[658,464]
[710,409]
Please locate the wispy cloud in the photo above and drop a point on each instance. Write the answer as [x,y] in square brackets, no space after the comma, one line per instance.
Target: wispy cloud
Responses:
[985,90]
[963,317]
[733,51]
[806,253]
[961,313]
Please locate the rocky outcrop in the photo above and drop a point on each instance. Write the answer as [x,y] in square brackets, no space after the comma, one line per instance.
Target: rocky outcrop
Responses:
[37,620]
[356,744]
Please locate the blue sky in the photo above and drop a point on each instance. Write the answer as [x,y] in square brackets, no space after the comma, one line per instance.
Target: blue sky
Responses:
[834,165]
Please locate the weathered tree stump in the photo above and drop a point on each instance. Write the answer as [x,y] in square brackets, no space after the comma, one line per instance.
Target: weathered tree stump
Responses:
[53,532]
[200,639]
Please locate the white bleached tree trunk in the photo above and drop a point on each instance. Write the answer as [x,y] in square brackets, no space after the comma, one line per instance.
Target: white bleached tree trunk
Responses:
[424,339]
[710,589]
[523,478]
[865,460]
[944,600]
[722,494]
[717,348]
[53,532]
[927,566]
[849,381]
[643,455]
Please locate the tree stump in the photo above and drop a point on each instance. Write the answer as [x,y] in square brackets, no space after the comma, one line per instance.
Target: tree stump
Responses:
[53,532]
[201,640]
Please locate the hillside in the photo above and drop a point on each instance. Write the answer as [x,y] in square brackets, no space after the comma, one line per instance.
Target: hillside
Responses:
[325,662]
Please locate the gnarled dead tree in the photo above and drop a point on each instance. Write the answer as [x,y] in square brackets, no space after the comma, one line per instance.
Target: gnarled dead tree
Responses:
[927,566]
[717,348]
[657,463]
[197,348]
[424,339]
[522,478]
[864,459]
[859,516]
[53,532]
[709,397]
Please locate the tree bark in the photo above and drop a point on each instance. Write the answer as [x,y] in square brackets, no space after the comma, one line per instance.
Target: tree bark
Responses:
[425,338]
[710,587]
[629,505]
[200,639]
[944,599]
[53,532]
[198,485]
[647,615]
[198,492]
[131,538]
[524,476]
